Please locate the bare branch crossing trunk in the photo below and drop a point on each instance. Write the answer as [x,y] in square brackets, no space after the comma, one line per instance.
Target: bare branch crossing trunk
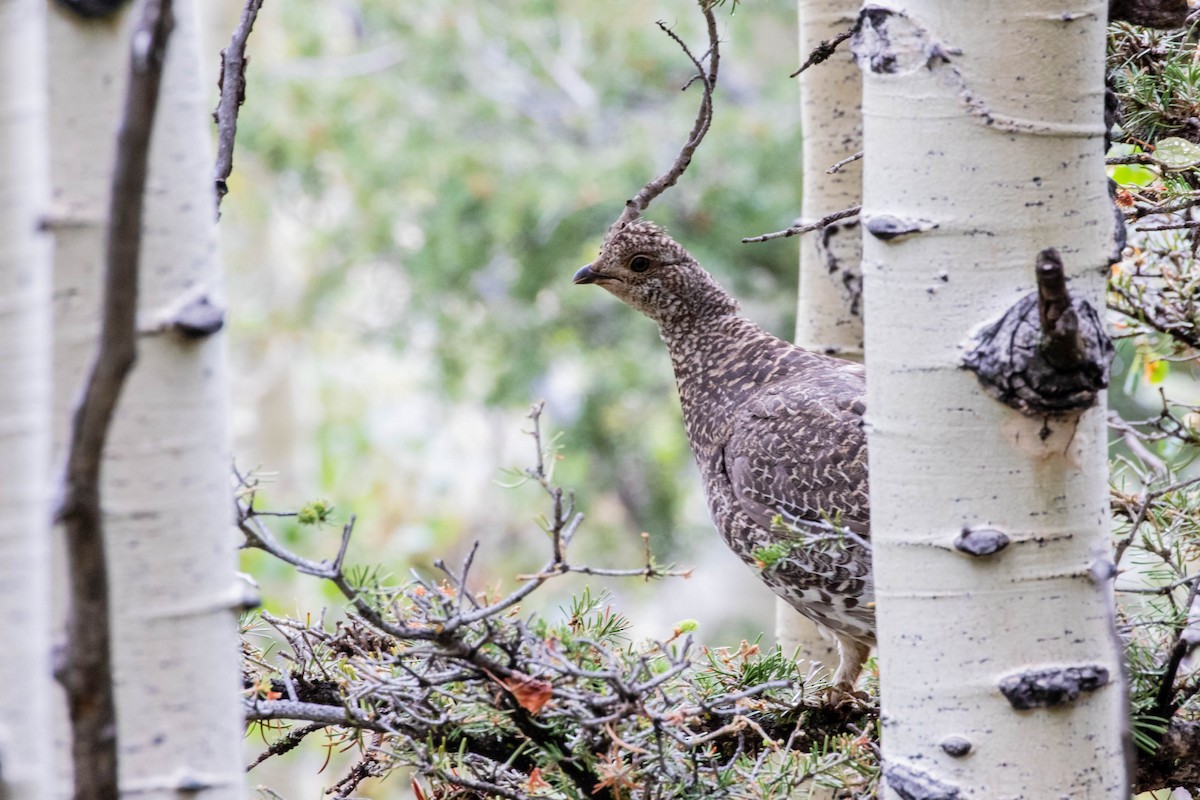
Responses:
[25,258]
[165,473]
[984,134]
[828,318]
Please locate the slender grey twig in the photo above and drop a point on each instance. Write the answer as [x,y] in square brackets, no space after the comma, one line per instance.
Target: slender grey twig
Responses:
[233,93]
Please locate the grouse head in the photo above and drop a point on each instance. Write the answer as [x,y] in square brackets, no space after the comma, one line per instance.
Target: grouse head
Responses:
[646,268]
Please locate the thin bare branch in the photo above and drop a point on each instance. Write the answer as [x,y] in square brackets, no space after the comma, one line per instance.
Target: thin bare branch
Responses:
[1144,504]
[1170,587]
[287,743]
[1133,441]
[233,93]
[707,77]
[796,230]
[1182,224]
[845,161]
[257,710]
[824,50]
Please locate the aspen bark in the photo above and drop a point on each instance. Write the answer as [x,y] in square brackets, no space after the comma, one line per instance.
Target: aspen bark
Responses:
[165,488]
[1000,672]
[828,318]
[26,685]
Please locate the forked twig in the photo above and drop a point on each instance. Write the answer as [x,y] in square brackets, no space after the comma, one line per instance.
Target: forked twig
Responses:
[707,77]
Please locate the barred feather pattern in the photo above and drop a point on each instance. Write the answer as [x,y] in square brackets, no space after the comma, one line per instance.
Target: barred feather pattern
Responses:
[776,430]
[777,433]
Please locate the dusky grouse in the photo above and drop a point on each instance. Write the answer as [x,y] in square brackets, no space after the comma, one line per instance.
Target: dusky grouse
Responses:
[776,430]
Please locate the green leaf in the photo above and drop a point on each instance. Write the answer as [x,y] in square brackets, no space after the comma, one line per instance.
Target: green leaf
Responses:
[1177,153]
[1132,175]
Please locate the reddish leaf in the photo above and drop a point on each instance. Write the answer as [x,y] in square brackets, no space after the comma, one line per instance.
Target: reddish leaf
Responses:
[531,693]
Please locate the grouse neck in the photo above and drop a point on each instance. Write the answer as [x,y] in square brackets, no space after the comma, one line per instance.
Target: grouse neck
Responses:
[695,343]
[730,348]
[685,326]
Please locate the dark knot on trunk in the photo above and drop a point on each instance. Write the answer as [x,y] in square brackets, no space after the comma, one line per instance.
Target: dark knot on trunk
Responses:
[1049,354]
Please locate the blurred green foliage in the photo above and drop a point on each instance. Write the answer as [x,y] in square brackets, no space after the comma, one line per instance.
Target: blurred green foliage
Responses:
[433,178]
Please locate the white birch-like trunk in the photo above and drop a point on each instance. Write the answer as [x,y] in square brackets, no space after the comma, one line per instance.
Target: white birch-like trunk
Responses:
[828,318]
[983,129]
[166,488]
[26,684]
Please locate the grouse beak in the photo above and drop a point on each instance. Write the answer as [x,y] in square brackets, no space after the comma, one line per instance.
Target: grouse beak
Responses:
[585,275]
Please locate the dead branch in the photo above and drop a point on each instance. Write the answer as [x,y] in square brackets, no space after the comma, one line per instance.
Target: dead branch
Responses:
[288,743]
[85,668]
[796,230]
[837,167]
[233,93]
[824,50]
[1170,226]
[707,78]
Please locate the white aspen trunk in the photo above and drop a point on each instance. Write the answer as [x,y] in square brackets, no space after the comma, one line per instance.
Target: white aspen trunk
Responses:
[983,129]
[166,489]
[86,80]
[25,258]
[827,316]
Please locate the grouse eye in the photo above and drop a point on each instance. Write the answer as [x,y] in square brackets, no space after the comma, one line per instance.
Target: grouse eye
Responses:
[639,264]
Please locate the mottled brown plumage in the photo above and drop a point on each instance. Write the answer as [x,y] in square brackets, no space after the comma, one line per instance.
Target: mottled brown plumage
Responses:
[776,430]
